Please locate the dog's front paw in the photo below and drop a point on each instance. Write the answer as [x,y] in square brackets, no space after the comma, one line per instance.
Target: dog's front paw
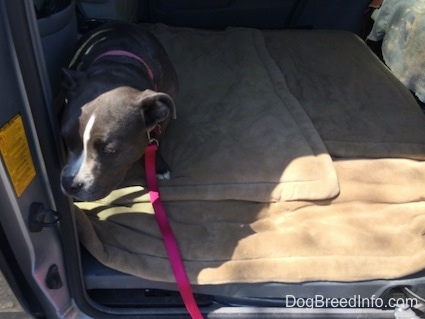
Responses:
[164,176]
[163,171]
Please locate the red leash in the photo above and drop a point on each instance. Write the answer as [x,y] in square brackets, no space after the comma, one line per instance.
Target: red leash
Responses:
[167,233]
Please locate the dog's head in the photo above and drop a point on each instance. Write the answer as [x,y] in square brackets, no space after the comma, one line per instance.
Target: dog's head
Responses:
[106,135]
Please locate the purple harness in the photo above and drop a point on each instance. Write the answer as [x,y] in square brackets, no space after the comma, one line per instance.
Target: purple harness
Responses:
[130,55]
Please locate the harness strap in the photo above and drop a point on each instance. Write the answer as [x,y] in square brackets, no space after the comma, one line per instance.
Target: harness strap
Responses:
[167,233]
[130,55]
[376,4]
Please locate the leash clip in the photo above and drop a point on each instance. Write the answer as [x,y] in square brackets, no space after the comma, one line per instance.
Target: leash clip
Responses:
[155,130]
[152,140]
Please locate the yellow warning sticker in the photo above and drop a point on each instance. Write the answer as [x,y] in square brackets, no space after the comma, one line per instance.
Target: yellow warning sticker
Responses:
[16,154]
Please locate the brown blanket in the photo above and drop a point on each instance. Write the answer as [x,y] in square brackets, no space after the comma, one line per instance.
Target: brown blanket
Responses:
[239,133]
[357,105]
[372,228]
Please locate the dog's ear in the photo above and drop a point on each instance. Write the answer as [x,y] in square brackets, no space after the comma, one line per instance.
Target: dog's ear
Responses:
[71,78]
[156,108]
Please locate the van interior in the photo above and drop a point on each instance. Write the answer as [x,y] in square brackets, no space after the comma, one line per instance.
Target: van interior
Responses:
[297,161]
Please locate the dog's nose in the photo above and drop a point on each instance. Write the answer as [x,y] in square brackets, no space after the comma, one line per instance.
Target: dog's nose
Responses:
[72,187]
[75,187]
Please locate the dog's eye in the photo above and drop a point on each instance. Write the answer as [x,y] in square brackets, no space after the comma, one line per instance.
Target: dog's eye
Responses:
[108,149]
[104,147]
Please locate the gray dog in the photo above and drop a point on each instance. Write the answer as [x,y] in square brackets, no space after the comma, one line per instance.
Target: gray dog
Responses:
[120,88]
